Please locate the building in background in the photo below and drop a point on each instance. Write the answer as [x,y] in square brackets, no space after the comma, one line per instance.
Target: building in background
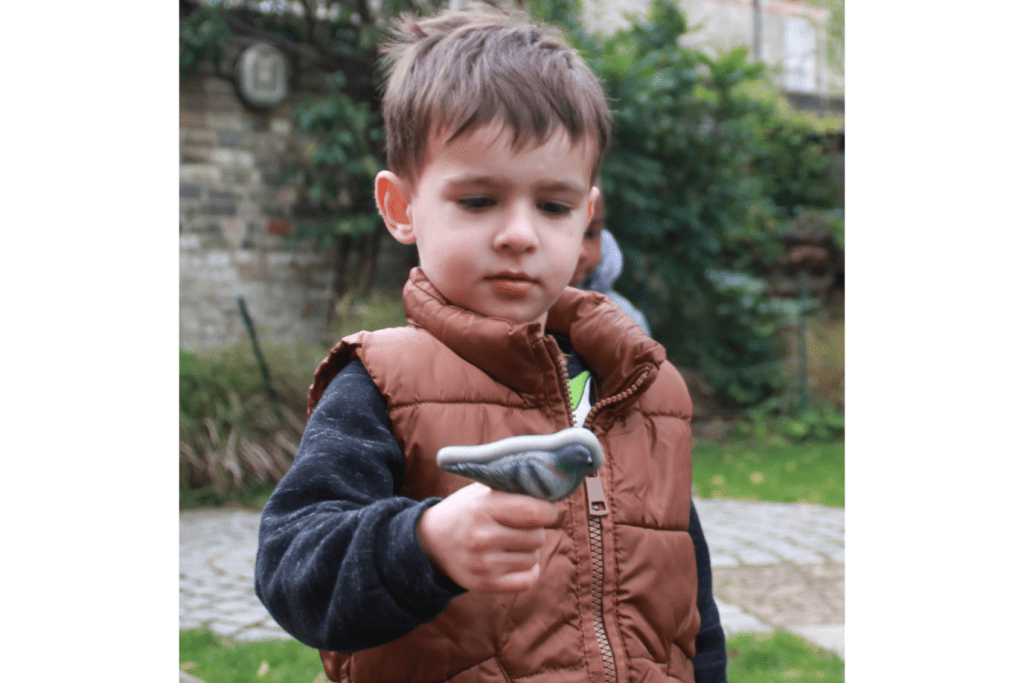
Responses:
[791,37]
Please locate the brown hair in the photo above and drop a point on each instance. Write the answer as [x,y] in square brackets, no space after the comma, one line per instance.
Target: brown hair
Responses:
[459,70]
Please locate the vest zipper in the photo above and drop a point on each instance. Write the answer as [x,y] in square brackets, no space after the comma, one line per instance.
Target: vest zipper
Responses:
[624,394]
[597,507]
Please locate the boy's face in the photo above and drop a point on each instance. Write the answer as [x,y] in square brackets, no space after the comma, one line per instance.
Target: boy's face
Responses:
[499,232]
[590,256]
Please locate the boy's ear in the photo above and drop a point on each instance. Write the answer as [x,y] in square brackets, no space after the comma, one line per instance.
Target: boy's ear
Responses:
[392,195]
[595,194]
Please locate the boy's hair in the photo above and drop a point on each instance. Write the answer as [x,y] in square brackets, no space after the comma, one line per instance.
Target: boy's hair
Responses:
[459,70]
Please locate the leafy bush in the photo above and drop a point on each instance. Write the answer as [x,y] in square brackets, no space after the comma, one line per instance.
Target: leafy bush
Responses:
[744,362]
[235,440]
[232,435]
[793,157]
[339,166]
[203,33]
[707,168]
[774,421]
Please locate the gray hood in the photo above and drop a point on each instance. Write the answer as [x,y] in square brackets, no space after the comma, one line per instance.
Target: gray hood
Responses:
[603,279]
[608,271]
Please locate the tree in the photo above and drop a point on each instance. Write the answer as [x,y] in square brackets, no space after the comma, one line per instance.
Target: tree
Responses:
[703,172]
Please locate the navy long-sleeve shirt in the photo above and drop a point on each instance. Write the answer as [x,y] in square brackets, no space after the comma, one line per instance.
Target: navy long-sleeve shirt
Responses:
[339,566]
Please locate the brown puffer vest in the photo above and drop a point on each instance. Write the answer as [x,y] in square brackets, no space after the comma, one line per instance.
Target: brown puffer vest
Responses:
[617,595]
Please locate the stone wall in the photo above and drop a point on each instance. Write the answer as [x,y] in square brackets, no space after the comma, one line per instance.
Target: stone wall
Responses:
[235,216]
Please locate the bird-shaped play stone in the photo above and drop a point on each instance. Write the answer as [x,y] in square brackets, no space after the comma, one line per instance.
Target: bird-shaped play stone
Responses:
[548,466]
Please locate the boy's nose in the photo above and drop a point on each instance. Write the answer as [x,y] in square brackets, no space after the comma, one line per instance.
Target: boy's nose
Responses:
[519,232]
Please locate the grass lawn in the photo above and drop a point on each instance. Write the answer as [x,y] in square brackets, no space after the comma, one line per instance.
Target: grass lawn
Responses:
[219,660]
[203,497]
[780,656]
[786,473]
[753,658]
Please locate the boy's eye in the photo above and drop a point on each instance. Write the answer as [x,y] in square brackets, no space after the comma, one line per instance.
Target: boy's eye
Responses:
[476,203]
[554,208]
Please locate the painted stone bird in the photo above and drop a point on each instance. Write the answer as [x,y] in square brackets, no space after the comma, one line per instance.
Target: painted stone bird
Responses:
[548,466]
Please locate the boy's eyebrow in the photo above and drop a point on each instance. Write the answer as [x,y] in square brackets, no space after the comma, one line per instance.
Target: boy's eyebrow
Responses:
[563,186]
[549,186]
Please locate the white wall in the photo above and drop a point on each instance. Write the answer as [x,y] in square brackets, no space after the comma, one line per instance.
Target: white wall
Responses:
[792,35]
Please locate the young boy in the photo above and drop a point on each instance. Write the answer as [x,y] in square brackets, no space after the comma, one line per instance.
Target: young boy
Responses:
[496,130]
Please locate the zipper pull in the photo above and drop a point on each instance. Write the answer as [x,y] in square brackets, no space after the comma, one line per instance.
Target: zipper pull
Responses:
[597,504]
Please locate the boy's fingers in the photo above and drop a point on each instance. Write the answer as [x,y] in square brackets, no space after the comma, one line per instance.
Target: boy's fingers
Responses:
[513,540]
[501,564]
[515,582]
[513,562]
[523,512]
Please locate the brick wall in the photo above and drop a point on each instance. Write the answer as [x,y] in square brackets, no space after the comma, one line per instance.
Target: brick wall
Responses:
[232,208]
[235,213]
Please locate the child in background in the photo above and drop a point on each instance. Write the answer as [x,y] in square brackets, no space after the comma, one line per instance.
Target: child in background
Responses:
[399,571]
[600,265]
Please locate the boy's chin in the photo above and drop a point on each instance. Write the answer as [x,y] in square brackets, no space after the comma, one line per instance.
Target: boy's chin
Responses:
[512,315]
[513,319]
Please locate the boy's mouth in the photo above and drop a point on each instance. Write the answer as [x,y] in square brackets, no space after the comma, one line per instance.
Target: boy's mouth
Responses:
[511,283]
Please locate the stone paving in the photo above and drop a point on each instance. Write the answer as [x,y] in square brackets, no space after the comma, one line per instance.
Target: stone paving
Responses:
[775,566]
[778,566]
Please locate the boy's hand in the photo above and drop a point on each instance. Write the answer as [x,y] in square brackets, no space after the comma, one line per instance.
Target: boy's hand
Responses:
[486,540]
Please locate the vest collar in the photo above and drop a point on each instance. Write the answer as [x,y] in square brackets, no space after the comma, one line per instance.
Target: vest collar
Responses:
[522,357]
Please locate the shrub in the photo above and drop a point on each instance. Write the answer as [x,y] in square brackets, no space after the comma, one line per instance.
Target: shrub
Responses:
[707,168]
[233,436]
[780,421]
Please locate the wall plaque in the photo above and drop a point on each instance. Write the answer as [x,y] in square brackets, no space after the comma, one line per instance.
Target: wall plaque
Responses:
[262,76]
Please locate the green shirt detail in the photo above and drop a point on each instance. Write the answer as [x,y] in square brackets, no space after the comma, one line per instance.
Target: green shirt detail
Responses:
[576,386]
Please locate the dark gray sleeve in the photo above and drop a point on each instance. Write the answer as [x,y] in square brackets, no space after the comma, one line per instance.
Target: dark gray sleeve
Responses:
[710,662]
[338,564]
